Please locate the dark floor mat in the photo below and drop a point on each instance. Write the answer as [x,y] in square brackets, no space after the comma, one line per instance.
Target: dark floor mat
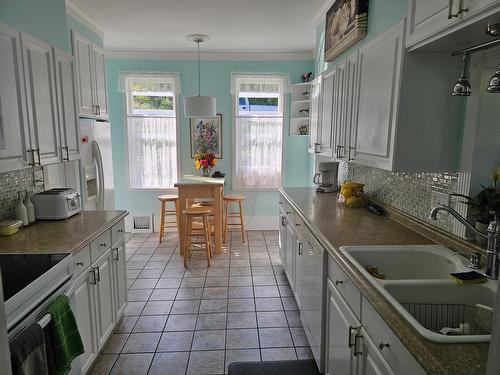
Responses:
[307,367]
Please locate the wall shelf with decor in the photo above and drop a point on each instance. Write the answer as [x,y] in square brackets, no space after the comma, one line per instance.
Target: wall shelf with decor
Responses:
[299,110]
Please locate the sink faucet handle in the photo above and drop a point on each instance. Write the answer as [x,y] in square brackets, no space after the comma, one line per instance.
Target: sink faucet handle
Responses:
[475,260]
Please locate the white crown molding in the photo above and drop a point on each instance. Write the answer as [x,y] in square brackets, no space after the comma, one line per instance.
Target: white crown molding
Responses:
[318,18]
[208,56]
[73,10]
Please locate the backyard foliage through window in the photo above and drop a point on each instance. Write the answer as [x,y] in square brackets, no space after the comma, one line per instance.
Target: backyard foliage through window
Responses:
[153,102]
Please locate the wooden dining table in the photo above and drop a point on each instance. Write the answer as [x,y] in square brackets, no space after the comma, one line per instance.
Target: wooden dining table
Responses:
[192,187]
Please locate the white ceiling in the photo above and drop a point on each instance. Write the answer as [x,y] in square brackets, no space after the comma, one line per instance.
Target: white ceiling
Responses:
[233,25]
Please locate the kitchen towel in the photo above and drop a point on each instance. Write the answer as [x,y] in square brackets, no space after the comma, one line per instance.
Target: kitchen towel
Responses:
[27,351]
[66,341]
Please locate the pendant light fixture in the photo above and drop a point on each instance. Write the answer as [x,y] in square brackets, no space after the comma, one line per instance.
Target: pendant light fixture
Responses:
[199,106]
[462,86]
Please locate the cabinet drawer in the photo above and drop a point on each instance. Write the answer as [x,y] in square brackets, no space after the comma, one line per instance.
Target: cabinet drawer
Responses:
[81,260]
[345,286]
[100,245]
[397,356]
[117,232]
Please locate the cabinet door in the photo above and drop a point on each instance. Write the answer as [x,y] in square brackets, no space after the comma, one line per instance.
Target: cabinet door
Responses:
[428,17]
[66,105]
[290,253]
[82,50]
[14,137]
[340,111]
[327,114]
[101,98]
[282,238]
[120,278]
[347,134]
[476,6]
[371,361]
[380,64]
[41,99]
[86,319]
[104,296]
[341,326]
[314,115]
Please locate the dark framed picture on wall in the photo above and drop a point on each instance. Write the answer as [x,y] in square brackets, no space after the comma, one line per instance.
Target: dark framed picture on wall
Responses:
[346,24]
[206,135]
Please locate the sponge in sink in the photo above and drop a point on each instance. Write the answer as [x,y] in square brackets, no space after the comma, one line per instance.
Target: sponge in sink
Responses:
[467,278]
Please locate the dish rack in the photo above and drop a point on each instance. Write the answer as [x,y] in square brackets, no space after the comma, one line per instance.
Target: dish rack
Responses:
[438,316]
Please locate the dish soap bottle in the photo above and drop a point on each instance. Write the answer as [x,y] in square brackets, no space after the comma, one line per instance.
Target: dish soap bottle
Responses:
[29,207]
[20,210]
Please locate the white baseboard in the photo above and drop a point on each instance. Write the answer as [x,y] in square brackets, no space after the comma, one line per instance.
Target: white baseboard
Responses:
[251,223]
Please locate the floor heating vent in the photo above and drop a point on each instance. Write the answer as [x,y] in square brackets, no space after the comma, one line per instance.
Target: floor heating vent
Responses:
[139,223]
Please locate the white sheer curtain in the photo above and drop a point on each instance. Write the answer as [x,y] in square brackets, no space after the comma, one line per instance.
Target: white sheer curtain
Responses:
[152,152]
[259,146]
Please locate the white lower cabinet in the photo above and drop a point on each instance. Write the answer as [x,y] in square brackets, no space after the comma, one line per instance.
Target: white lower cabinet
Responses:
[86,321]
[346,334]
[100,294]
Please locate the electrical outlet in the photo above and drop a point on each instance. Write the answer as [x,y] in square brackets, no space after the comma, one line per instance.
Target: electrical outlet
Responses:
[438,198]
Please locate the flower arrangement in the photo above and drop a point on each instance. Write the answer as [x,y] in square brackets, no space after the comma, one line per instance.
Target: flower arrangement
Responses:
[205,160]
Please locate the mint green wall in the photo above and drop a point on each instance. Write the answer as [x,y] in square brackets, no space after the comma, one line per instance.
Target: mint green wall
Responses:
[216,78]
[74,24]
[45,19]
[382,14]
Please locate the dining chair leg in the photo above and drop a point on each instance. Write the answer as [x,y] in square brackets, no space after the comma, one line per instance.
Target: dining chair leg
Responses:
[177,214]
[241,222]
[208,246]
[162,220]
[187,250]
[226,218]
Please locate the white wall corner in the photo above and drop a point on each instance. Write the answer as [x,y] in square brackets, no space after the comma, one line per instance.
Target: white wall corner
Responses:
[76,12]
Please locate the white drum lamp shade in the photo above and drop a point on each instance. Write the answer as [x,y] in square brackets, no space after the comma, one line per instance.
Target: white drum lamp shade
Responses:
[200,106]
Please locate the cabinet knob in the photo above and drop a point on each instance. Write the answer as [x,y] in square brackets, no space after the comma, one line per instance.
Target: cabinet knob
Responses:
[120,230]
[297,225]
[338,282]
[383,345]
[103,244]
[288,212]
[79,264]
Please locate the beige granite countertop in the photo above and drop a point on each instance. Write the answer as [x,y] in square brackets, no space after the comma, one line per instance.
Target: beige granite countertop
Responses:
[335,226]
[61,236]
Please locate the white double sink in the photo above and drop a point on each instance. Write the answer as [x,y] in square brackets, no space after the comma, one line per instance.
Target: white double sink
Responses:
[416,283]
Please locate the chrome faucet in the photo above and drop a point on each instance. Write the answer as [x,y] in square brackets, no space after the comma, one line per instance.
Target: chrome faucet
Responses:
[492,235]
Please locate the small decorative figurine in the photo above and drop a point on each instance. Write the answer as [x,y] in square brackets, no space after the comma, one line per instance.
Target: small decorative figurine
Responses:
[306,77]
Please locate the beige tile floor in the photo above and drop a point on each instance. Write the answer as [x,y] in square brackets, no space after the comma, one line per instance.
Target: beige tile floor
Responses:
[198,320]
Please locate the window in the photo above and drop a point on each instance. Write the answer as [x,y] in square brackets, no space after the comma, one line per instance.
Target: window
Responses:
[152,130]
[258,119]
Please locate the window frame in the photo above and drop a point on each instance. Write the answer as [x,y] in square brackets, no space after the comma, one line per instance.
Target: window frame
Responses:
[236,133]
[125,100]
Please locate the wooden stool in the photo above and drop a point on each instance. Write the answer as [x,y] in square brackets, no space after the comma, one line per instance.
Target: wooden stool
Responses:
[192,231]
[165,213]
[228,199]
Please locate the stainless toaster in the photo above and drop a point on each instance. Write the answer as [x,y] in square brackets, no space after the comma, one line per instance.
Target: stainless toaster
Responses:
[56,204]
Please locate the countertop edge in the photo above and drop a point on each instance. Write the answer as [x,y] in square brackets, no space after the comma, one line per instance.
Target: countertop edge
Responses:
[439,366]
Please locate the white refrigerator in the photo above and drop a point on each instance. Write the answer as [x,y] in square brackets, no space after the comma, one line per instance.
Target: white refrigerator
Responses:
[96,165]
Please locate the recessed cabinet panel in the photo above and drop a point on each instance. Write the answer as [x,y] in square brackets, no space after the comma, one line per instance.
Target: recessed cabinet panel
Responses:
[120,278]
[105,306]
[82,50]
[327,114]
[14,137]
[101,99]
[314,115]
[41,99]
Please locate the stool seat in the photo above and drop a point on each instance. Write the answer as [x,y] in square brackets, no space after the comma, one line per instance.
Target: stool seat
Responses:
[234,198]
[168,198]
[197,211]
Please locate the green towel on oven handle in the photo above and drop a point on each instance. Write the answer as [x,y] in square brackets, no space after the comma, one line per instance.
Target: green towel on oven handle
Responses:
[66,340]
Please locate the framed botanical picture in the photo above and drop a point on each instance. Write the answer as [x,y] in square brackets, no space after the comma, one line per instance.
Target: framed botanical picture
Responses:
[346,24]
[206,134]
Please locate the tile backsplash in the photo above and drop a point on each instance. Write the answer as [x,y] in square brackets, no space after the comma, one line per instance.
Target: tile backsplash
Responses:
[408,192]
[10,184]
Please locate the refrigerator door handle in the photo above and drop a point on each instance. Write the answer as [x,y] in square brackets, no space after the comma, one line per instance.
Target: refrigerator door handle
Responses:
[96,153]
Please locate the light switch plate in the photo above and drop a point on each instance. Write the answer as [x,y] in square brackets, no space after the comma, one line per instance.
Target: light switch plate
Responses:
[438,198]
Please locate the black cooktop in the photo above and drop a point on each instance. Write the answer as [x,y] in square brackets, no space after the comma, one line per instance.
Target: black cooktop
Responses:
[20,270]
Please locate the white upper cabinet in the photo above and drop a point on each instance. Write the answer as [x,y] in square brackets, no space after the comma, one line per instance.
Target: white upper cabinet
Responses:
[315,115]
[91,77]
[41,100]
[14,138]
[430,20]
[101,99]
[327,114]
[66,104]
[379,76]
